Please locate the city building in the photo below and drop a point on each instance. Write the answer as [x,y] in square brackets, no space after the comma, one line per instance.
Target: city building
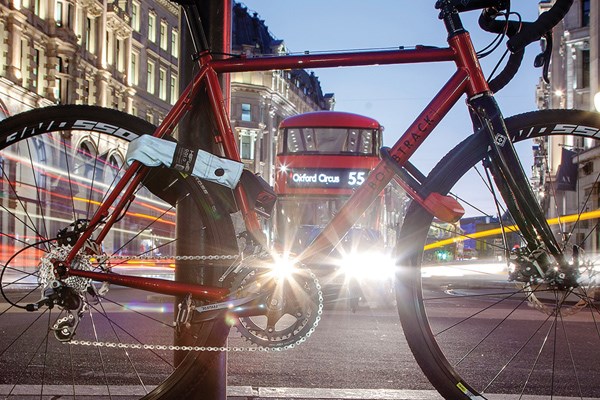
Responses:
[564,167]
[125,55]
[261,100]
[121,54]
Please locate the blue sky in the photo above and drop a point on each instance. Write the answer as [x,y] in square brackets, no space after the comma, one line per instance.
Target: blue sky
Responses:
[393,95]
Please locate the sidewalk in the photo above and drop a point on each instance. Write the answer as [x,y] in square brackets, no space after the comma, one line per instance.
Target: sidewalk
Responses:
[257,393]
[95,392]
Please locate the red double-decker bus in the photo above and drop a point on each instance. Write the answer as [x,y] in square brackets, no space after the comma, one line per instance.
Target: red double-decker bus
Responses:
[322,157]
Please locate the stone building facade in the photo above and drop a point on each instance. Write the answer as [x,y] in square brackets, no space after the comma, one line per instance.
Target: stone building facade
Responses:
[125,55]
[574,84]
[121,54]
[261,100]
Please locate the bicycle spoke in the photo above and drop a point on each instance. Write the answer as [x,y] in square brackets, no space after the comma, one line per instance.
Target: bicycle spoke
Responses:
[476,313]
[493,329]
[571,357]
[514,356]
[126,332]
[541,348]
[112,326]
[95,332]
[70,181]
[37,190]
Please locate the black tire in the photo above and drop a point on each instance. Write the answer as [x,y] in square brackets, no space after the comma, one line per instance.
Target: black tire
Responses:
[474,332]
[57,163]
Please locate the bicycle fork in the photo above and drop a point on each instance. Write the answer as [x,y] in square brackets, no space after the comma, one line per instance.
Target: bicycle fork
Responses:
[513,185]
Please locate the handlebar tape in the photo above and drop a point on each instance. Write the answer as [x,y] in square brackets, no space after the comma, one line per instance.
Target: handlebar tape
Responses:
[545,22]
[470,5]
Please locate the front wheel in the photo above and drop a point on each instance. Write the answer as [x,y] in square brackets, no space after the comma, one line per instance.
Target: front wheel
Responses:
[477,321]
[57,166]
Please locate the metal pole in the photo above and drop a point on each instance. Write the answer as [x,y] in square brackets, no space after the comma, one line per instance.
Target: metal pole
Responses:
[195,130]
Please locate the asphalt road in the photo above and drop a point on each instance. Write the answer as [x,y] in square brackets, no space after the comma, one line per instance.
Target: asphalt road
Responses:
[350,355]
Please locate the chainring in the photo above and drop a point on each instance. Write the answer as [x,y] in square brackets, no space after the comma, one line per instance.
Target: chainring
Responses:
[293,306]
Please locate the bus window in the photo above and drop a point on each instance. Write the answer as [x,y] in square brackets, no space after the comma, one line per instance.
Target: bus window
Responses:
[329,141]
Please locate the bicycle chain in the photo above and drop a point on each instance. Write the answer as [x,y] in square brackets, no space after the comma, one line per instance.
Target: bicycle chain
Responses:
[133,346]
[178,258]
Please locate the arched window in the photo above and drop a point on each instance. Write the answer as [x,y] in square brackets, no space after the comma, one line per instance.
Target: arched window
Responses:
[86,163]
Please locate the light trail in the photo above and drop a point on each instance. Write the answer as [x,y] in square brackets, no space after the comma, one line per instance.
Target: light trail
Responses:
[514,228]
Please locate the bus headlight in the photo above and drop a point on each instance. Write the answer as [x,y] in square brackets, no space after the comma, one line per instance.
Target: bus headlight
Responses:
[368,266]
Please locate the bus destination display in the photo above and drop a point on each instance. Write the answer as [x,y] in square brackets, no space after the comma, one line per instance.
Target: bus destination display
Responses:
[331,178]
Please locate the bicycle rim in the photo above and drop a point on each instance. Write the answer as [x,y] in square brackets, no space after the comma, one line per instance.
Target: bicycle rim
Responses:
[57,165]
[473,330]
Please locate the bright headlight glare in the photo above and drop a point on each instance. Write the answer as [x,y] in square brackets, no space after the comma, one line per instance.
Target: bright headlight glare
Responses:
[283,266]
[368,265]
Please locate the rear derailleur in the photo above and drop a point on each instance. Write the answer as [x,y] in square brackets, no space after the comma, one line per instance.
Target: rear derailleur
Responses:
[69,301]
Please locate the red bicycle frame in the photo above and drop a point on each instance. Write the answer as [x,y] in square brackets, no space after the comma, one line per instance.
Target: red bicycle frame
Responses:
[468,79]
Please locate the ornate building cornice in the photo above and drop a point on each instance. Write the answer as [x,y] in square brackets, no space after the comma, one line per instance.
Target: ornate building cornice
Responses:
[169,6]
[118,22]
[93,8]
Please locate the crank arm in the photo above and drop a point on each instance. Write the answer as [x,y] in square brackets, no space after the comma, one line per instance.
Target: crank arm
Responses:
[244,307]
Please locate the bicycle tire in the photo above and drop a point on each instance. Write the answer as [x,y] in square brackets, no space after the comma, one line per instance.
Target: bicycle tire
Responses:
[59,161]
[498,357]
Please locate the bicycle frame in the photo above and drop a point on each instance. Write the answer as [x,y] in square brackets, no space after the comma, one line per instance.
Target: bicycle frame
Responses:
[468,79]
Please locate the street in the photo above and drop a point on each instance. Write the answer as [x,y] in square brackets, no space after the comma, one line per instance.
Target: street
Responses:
[348,351]
[362,350]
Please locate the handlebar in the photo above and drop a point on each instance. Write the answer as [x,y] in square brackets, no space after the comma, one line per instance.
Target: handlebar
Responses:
[534,31]
[520,35]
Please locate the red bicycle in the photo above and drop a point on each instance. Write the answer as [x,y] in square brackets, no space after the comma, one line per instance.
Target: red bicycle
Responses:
[75,218]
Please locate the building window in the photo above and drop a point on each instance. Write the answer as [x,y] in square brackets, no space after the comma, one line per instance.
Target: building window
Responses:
[120,55]
[246,145]
[36,72]
[57,89]
[110,48]
[150,79]
[173,89]
[24,62]
[58,13]
[175,44]
[133,69]
[89,91]
[246,112]
[164,42]
[90,35]
[585,12]
[135,16]
[2,58]
[162,84]
[585,69]
[152,27]
[37,8]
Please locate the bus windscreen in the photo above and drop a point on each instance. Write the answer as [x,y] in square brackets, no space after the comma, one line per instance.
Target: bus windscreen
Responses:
[330,141]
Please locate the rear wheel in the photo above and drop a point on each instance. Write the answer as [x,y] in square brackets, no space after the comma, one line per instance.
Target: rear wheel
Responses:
[57,165]
[478,318]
